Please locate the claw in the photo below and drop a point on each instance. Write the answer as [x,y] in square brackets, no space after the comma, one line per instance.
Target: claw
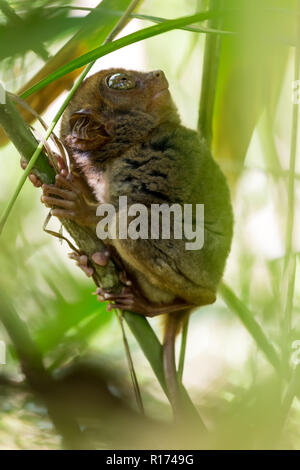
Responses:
[124,279]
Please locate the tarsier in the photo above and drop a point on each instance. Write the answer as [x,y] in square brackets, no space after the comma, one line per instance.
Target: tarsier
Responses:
[124,138]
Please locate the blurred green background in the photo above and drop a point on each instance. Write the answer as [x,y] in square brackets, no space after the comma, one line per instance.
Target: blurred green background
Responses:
[243,400]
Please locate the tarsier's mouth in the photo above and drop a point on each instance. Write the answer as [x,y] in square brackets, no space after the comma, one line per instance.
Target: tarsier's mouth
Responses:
[161,92]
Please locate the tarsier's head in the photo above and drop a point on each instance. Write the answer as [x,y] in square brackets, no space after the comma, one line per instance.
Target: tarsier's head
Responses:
[113,92]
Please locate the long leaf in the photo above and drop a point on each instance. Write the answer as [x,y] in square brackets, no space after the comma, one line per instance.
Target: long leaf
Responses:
[101,51]
[251,70]
[248,320]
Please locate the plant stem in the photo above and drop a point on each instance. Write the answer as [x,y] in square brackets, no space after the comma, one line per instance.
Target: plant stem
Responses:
[134,380]
[158,19]
[209,76]
[23,178]
[206,108]
[291,392]
[123,20]
[24,141]
[148,343]
[183,348]
[193,29]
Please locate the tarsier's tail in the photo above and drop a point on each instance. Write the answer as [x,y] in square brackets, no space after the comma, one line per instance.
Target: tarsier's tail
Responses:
[173,323]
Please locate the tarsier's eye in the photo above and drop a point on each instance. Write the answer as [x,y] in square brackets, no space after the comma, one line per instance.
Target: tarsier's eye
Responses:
[120,81]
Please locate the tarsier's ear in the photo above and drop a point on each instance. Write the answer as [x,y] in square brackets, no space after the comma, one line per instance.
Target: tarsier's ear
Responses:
[87,132]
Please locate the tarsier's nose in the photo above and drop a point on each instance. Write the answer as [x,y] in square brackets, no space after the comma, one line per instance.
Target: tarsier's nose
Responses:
[159,74]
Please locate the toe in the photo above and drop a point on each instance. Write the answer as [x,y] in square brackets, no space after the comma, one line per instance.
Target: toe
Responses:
[23,163]
[54,201]
[88,271]
[123,278]
[74,256]
[101,257]
[34,180]
[63,214]
[83,260]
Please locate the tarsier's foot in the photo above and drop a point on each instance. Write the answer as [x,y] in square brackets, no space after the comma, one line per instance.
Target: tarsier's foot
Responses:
[82,262]
[124,300]
[127,299]
[100,257]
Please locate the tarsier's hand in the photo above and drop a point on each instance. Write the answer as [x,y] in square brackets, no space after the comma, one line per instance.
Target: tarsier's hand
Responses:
[66,200]
[66,197]
[33,178]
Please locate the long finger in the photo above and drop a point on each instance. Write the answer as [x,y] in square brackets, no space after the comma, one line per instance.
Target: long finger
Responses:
[53,201]
[62,182]
[63,214]
[35,180]
[63,193]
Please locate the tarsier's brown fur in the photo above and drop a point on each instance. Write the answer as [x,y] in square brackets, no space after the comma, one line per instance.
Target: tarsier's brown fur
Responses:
[130,143]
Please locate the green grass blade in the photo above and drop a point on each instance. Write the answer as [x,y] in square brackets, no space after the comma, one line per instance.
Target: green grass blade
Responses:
[193,29]
[253,327]
[105,49]
[209,77]
[148,343]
